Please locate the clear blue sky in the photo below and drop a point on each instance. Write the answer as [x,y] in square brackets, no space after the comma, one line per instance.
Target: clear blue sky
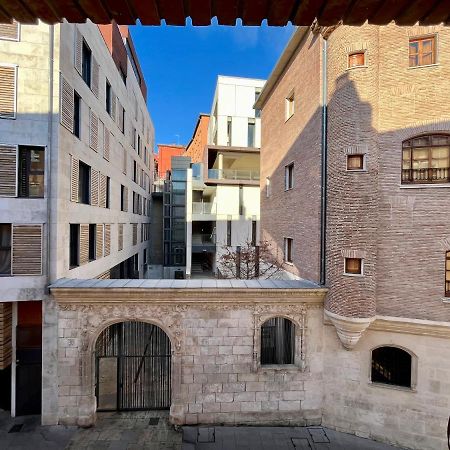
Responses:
[181,65]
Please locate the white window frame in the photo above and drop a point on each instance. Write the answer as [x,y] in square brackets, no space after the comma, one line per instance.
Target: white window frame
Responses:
[19,29]
[16,67]
[268,187]
[286,241]
[347,274]
[364,168]
[289,100]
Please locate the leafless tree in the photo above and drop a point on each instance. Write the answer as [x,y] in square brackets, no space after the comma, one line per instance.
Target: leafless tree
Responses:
[249,261]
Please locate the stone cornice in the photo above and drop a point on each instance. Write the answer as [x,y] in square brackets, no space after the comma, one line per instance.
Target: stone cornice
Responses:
[187,296]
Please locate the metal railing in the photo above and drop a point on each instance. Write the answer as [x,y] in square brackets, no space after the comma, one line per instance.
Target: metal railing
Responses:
[232,174]
[203,208]
[432,175]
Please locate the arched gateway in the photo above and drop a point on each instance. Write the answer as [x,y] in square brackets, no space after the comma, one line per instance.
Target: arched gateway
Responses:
[133,367]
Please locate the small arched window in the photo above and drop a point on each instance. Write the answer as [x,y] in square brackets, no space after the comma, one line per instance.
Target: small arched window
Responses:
[426,159]
[391,365]
[277,341]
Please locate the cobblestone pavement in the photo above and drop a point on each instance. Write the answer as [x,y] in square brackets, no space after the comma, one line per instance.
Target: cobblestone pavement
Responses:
[274,438]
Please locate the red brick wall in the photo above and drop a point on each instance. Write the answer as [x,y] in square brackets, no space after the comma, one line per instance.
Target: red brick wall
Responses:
[165,153]
[196,147]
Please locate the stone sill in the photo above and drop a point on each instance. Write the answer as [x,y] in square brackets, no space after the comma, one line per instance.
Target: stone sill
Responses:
[424,66]
[364,66]
[411,390]
[279,368]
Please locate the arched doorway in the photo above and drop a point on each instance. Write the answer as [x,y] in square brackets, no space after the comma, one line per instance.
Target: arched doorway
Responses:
[133,367]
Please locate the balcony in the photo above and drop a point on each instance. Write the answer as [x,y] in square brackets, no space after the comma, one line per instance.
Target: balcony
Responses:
[232,174]
[203,208]
[422,176]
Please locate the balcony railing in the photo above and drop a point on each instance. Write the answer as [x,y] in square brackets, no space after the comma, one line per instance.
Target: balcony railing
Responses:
[203,208]
[433,175]
[231,174]
[203,239]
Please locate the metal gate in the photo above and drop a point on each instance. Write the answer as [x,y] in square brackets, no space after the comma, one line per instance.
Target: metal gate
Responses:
[133,367]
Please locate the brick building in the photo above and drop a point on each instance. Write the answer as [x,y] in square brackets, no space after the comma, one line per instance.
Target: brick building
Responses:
[358,152]
[164,157]
[196,147]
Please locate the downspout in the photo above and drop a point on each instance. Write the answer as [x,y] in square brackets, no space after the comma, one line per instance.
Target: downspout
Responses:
[323,178]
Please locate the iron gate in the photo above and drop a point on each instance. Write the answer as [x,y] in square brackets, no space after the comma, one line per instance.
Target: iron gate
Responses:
[133,367]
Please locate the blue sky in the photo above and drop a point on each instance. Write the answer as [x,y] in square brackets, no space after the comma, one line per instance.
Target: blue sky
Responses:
[181,65]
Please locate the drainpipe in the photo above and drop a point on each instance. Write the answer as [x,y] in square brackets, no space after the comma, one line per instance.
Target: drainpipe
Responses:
[323,181]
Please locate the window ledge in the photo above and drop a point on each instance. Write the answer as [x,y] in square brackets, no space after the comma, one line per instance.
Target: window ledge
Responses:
[365,66]
[393,386]
[444,299]
[357,171]
[279,367]
[353,274]
[424,186]
[424,66]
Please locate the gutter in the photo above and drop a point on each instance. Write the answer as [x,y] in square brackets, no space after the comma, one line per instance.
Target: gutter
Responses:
[323,178]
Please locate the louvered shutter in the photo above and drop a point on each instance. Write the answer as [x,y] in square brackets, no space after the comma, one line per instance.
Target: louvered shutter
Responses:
[134,233]
[94,187]
[99,240]
[93,132]
[67,104]
[84,243]
[95,76]
[78,50]
[120,237]
[9,31]
[102,196]
[104,275]
[5,334]
[113,105]
[74,178]
[107,239]
[8,92]
[106,144]
[8,170]
[26,250]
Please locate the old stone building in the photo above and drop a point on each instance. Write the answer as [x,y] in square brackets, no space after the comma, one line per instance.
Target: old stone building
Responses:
[356,146]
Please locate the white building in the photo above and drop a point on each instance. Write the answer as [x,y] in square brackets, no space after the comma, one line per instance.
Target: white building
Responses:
[75,178]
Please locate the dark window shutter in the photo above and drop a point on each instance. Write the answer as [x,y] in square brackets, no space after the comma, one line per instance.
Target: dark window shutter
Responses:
[67,105]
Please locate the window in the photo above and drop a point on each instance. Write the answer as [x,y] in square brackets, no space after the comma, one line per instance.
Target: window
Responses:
[122,122]
[289,106]
[254,233]
[391,365]
[447,274]
[356,59]
[5,249]
[92,241]
[289,177]
[277,341]
[353,266]
[31,172]
[123,198]
[268,187]
[84,183]
[108,97]
[229,232]
[251,133]
[422,51]
[241,200]
[74,247]
[355,162]
[229,130]
[426,159]
[76,115]
[257,94]
[133,137]
[145,258]
[288,245]
[86,61]
[9,31]
[123,75]
[108,195]
[135,172]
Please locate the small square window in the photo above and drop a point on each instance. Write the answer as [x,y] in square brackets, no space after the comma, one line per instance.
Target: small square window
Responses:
[288,245]
[357,59]
[289,177]
[422,51]
[353,266]
[355,162]
[290,106]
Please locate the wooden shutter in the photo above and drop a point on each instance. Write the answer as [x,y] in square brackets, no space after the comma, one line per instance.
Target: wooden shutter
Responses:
[134,233]
[120,236]
[8,92]
[78,50]
[93,132]
[113,106]
[67,105]
[107,229]
[95,77]
[8,170]
[103,187]
[5,335]
[94,187]
[9,31]
[26,250]
[74,178]
[99,240]
[104,275]
[84,243]
[106,144]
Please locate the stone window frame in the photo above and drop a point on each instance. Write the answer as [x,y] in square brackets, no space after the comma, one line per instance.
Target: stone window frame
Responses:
[299,322]
[414,369]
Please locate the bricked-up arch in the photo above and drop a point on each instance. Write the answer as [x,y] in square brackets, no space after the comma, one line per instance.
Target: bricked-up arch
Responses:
[252,12]
[133,365]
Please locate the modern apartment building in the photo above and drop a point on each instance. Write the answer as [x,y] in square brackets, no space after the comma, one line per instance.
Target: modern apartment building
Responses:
[355,162]
[75,181]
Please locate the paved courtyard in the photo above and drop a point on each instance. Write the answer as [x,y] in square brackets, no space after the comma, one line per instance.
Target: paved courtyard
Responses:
[151,430]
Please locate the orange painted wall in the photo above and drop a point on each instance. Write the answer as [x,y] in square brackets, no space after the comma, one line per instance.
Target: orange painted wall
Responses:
[165,153]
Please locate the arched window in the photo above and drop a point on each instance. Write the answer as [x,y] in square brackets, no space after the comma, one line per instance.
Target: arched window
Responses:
[277,341]
[391,365]
[426,159]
